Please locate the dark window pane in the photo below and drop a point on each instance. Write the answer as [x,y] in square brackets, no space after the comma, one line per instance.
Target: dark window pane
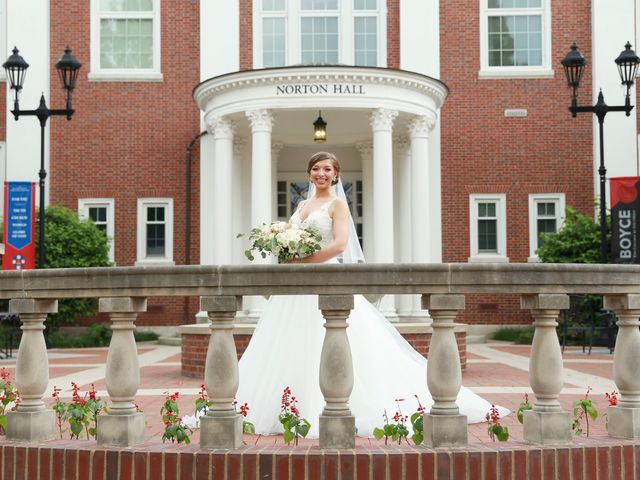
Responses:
[487,236]
[155,240]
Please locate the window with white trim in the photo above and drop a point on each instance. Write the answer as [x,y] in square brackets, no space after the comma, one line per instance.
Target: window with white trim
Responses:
[546,215]
[488,228]
[125,40]
[155,231]
[102,212]
[291,32]
[515,37]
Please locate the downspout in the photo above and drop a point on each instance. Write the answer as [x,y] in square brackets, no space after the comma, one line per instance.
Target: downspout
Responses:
[187,212]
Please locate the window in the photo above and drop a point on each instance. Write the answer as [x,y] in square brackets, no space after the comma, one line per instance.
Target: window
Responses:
[291,32]
[102,212]
[546,215]
[155,231]
[125,40]
[488,228]
[515,38]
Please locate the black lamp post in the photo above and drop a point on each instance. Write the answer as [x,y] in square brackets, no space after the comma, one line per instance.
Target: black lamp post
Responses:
[574,64]
[16,68]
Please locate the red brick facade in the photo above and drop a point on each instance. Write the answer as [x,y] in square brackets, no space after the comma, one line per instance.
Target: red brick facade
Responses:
[393,33]
[128,140]
[485,152]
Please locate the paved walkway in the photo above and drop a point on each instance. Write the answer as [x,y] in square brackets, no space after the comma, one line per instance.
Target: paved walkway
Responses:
[496,371]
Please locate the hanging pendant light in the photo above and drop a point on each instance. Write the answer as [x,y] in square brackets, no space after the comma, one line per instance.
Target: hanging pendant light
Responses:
[319,129]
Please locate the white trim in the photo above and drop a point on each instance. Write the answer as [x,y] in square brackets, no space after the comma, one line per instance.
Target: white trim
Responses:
[127,75]
[345,14]
[534,198]
[545,70]
[3,176]
[109,203]
[141,240]
[501,213]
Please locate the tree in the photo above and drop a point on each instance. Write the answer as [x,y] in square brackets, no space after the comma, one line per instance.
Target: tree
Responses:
[72,243]
[578,241]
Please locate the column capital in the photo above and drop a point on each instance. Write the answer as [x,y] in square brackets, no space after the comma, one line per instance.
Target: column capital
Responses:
[276,148]
[421,126]
[220,127]
[365,149]
[260,119]
[382,119]
[238,144]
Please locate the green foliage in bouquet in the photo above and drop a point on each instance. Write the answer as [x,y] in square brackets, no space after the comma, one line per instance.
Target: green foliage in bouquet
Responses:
[284,240]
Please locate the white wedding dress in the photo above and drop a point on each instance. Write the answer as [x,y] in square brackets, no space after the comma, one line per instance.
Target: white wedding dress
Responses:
[285,352]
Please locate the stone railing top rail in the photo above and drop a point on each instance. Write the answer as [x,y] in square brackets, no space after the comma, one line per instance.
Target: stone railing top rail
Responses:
[320,279]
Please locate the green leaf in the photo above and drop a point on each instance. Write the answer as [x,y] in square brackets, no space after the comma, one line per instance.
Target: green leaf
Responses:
[248,427]
[288,436]
[417,438]
[378,433]
[503,434]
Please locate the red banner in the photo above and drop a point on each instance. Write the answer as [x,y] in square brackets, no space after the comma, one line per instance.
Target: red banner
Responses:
[19,227]
[625,215]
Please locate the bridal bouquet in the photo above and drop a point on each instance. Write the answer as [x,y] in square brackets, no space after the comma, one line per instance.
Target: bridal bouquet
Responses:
[284,240]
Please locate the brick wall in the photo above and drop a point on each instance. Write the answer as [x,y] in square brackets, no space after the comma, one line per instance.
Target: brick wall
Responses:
[393,33]
[128,140]
[485,152]
[246,35]
[77,459]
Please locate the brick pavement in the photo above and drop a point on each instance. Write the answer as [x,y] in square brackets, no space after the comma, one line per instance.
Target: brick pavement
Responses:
[488,374]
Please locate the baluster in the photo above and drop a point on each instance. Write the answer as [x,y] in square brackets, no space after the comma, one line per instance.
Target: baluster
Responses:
[31,421]
[443,425]
[221,427]
[623,420]
[546,423]
[122,425]
[337,424]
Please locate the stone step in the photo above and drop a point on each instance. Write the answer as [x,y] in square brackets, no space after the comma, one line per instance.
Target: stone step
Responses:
[175,340]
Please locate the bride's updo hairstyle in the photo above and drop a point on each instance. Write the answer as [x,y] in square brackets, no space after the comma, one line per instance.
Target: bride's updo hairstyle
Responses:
[318,157]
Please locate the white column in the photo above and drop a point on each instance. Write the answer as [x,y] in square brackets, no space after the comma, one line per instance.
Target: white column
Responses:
[366,154]
[239,199]
[223,129]
[383,251]
[421,207]
[207,220]
[261,122]
[403,226]
[276,148]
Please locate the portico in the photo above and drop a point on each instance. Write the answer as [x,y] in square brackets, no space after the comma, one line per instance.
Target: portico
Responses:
[382,124]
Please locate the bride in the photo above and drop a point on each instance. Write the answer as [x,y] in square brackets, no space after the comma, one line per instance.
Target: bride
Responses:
[285,348]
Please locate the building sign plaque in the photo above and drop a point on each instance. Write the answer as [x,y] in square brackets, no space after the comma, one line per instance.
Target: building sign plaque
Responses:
[320,89]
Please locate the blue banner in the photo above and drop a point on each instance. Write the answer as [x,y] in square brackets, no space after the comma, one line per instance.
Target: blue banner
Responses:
[19,226]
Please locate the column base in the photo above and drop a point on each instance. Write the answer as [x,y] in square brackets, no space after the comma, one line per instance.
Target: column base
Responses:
[121,430]
[31,426]
[623,422]
[224,433]
[445,430]
[337,432]
[547,428]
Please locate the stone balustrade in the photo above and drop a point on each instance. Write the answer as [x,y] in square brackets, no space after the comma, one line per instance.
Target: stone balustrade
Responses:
[123,292]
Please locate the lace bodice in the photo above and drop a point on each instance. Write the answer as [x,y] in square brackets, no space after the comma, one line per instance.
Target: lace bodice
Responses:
[319,219]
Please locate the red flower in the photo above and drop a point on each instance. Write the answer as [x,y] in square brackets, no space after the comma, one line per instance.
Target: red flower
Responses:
[612,398]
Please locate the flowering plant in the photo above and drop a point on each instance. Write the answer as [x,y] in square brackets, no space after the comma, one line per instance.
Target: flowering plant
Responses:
[395,431]
[247,427]
[612,398]
[81,413]
[417,423]
[284,240]
[524,405]
[496,430]
[203,402]
[174,429]
[583,408]
[294,425]
[9,398]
